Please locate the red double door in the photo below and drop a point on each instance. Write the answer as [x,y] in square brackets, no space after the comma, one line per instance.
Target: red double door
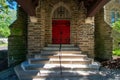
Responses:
[61,31]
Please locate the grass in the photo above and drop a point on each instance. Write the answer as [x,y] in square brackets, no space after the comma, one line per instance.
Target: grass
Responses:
[116,52]
[1,45]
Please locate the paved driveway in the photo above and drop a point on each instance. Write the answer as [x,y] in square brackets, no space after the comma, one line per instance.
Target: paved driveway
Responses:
[3,48]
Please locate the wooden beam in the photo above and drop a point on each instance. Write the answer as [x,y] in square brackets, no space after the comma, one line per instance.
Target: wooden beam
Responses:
[27,6]
[96,7]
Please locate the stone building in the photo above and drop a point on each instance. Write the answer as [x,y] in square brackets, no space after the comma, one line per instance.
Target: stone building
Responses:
[46,28]
[38,24]
[112,14]
[112,11]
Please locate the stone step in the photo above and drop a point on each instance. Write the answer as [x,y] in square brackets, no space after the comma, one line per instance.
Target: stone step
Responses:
[87,68]
[62,56]
[65,76]
[63,49]
[35,75]
[47,64]
[63,45]
[77,77]
[47,68]
[62,52]
[58,69]
[63,61]
[60,78]
[52,53]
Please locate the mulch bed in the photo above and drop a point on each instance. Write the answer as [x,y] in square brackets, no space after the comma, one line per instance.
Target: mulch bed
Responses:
[112,64]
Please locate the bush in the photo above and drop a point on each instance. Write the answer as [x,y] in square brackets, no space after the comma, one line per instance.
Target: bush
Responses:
[116,52]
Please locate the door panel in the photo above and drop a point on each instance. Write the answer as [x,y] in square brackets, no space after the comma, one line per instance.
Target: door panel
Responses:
[61,31]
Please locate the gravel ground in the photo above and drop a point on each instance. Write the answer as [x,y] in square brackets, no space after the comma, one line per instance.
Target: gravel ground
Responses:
[8,74]
[105,74]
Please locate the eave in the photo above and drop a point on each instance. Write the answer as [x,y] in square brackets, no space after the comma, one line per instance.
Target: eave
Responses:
[96,7]
[92,8]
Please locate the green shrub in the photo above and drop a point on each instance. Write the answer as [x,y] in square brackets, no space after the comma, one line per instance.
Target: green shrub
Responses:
[116,52]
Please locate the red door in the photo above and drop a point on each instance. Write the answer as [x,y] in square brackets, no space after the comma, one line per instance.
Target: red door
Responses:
[61,31]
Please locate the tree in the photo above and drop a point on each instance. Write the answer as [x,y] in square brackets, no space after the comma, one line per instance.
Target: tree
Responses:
[116,37]
[6,16]
[3,6]
[116,26]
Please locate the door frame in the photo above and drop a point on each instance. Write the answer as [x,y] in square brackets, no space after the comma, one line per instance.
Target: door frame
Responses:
[67,22]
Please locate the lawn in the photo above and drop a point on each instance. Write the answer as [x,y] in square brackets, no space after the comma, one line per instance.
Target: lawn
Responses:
[2,45]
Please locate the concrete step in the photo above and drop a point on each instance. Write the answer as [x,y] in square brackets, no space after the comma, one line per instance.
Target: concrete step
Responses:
[54,53]
[64,76]
[63,45]
[63,61]
[47,64]
[60,78]
[58,69]
[62,56]
[62,52]
[63,48]
[35,75]
[51,66]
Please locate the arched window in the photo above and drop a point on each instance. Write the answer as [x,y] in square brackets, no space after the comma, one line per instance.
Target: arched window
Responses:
[117,15]
[112,16]
[116,1]
[61,13]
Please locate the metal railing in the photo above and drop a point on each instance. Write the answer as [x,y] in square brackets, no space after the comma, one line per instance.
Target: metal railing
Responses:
[60,53]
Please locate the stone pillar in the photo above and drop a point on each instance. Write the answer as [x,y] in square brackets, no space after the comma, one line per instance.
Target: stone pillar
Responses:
[103,40]
[36,33]
[85,32]
[86,39]
[34,38]
[17,41]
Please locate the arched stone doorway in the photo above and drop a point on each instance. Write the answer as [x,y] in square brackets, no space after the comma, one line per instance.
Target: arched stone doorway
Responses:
[61,26]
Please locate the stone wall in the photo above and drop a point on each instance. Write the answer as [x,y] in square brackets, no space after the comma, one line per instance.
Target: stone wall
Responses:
[112,5]
[89,37]
[40,33]
[86,39]
[17,46]
[103,39]
[36,31]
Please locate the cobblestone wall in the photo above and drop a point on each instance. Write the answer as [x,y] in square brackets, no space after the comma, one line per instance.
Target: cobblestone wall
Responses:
[103,39]
[81,33]
[111,6]
[17,41]
[86,39]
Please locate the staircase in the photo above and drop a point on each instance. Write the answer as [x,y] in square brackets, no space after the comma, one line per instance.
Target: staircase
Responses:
[53,64]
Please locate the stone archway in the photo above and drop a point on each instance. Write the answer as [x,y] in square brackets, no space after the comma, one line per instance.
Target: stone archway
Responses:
[61,26]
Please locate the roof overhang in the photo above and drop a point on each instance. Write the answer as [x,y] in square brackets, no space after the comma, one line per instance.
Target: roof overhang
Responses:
[92,6]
